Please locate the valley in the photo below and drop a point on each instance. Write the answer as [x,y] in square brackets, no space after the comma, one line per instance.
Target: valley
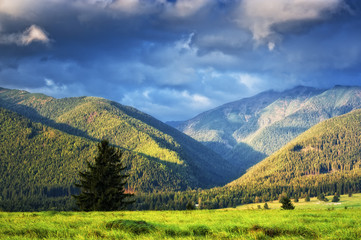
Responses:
[249,130]
[180,119]
[46,141]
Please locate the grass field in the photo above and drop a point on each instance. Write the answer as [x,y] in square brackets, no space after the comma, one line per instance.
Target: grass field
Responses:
[310,220]
[345,201]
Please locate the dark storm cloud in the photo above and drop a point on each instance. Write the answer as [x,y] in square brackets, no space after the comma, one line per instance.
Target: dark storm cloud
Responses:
[174,59]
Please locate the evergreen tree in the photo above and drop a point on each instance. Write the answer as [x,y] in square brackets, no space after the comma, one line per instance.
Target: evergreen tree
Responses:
[322,197]
[307,199]
[336,198]
[103,185]
[190,206]
[266,206]
[286,203]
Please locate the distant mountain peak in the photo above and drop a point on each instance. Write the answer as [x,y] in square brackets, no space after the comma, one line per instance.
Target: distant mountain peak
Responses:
[248,129]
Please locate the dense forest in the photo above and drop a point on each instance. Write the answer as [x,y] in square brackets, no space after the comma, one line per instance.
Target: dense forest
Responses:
[41,163]
[125,127]
[45,142]
[325,159]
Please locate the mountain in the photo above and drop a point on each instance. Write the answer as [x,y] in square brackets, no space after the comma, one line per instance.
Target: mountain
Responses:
[160,157]
[325,158]
[246,131]
[38,162]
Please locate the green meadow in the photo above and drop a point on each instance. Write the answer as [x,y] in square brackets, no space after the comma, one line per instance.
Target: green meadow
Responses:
[310,220]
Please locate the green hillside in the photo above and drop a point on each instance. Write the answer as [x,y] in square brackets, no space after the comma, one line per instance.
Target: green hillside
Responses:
[39,166]
[130,129]
[248,130]
[38,162]
[326,158]
[45,142]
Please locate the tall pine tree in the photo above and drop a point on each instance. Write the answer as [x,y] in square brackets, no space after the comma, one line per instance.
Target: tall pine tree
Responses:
[103,184]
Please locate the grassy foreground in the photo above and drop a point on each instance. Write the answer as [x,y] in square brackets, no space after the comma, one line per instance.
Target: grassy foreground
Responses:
[313,223]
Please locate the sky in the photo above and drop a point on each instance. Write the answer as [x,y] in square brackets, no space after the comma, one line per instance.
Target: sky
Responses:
[174,59]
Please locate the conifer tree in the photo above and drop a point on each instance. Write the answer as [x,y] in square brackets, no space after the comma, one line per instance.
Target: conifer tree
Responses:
[336,198]
[286,203]
[103,184]
[307,199]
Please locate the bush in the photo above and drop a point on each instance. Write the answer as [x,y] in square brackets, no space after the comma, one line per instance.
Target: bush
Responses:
[200,230]
[135,227]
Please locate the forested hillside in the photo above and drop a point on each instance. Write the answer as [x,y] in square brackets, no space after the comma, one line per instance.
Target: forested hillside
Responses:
[326,158]
[51,138]
[38,162]
[39,166]
[130,129]
[248,130]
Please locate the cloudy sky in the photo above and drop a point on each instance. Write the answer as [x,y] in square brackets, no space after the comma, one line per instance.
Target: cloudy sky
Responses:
[176,58]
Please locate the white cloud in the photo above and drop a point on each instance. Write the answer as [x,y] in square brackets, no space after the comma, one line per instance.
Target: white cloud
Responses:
[196,101]
[126,5]
[13,7]
[260,16]
[271,46]
[165,103]
[132,6]
[51,88]
[186,8]
[252,82]
[32,34]
[49,82]
[28,9]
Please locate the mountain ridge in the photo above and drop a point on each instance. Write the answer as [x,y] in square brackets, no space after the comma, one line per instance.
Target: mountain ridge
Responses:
[125,127]
[328,150]
[247,130]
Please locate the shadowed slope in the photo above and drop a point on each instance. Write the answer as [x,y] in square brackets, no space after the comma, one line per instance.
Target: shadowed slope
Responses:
[246,131]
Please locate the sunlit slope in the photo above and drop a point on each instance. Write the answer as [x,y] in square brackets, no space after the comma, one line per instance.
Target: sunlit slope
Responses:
[39,166]
[248,130]
[152,141]
[326,156]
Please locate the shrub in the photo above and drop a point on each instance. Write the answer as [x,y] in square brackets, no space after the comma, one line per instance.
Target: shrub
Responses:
[200,230]
[135,227]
